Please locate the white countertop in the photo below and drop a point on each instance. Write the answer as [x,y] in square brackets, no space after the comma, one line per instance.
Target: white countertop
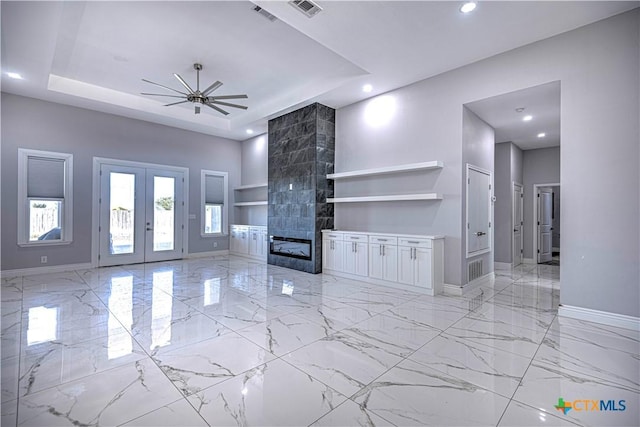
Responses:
[372,233]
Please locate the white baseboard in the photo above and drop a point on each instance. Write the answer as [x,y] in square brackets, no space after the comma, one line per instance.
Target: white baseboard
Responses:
[253,257]
[44,270]
[602,317]
[207,254]
[528,261]
[555,249]
[502,265]
[461,290]
[450,289]
[367,279]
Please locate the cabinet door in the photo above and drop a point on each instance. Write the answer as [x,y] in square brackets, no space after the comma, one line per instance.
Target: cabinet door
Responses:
[356,258]
[423,268]
[332,254]
[406,265]
[233,242]
[375,261]
[244,242]
[254,240]
[362,259]
[390,262]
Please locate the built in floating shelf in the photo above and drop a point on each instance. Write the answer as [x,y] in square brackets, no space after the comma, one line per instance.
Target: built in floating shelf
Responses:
[255,203]
[388,169]
[250,186]
[389,198]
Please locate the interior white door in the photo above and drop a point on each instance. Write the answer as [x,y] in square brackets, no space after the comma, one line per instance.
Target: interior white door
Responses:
[518,222]
[545,224]
[140,215]
[478,211]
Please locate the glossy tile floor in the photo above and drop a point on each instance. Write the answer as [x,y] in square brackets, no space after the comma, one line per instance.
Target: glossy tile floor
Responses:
[229,341]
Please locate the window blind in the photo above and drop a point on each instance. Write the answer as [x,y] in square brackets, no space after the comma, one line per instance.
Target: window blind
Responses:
[214,190]
[45,177]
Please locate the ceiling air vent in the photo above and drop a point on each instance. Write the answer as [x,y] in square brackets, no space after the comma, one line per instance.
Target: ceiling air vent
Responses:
[264,13]
[307,7]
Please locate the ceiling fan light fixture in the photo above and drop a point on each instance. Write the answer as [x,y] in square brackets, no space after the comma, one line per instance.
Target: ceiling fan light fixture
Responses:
[197,96]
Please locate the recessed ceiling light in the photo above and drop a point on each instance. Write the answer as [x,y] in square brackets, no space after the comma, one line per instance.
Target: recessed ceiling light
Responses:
[367,88]
[250,131]
[14,76]
[542,135]
[527,118]
[468,7]
[519,109]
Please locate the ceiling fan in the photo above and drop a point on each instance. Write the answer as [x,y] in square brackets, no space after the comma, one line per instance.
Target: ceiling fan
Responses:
[198,97]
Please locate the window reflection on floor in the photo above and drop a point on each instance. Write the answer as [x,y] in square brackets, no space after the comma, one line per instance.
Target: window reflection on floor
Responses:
[162,308]
[43,325]
[120,307]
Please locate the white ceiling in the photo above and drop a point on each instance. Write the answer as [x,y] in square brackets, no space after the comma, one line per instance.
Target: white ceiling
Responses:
[94,54]
[541,102]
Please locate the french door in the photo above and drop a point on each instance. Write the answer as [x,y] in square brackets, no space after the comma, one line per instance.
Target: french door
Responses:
[141,214]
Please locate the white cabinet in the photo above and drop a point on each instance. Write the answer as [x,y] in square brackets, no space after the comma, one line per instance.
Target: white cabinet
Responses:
[333,251]
[383,258]
[356,254]
[258,242]
[250,241]
[415,262]
[405,261]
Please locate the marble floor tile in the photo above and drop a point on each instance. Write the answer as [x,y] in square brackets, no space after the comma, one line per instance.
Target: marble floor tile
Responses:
[413,394]
[487,367]
[334,315]
[227,340]
[108,398]
[520,415]
[52,363]
[543,385]
[392,334]
[286,333]
[178,413]
[273,394]
[351,414]
[197,366]
[344,362]
[431,313]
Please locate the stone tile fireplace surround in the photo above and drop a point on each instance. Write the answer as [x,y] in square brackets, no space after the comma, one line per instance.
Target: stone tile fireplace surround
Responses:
[301,154]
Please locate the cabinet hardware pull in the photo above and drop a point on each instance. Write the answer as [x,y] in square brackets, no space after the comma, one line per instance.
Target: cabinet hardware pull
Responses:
[413,242]
[383,240]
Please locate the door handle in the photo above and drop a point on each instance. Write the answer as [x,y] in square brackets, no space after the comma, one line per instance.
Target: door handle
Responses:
[480,233]
[149,229]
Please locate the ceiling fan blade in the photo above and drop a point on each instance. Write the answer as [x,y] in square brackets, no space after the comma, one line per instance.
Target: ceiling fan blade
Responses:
[166,87]
[228,104]
[175,103]
[220,110]
[211,88]
[181,80]
[228,97]
[161,94]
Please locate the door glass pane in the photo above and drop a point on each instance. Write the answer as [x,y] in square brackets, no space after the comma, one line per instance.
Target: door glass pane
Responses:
[122,190]
[163,213]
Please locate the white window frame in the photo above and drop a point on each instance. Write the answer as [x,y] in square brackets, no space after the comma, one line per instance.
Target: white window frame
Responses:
[225,207]
[66,221]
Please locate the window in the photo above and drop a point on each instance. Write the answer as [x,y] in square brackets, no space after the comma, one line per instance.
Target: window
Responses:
[44,197]
[214,203]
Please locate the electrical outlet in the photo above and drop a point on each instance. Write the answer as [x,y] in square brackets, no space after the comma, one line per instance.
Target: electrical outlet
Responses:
[215,244]
[43,259]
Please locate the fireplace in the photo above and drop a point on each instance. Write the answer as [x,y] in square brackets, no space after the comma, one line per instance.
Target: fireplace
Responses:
[290,247]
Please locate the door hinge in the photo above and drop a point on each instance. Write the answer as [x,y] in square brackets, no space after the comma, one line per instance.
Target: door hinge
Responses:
[489,224]
[468,226]
[538,250]
[99,229]
[183,226]
[520,250]
[489,186]
[521,196]
[538,222]
[538,195]
[101,173]
[468,180]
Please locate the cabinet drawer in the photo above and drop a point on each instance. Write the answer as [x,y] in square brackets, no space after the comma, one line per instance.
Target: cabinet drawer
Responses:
[333,236]
[415,243]
[356,238]
[384,240]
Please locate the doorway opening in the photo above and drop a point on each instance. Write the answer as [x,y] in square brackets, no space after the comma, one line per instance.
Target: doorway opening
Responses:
[547,224]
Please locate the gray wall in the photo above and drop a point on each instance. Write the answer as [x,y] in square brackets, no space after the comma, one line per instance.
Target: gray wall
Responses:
[35,124]
[478,147]
[508,169]
[254,171]
[599,70]
[540,166]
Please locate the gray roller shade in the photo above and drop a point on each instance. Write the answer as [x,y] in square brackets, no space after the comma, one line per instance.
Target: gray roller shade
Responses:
[45,177]
[214,190]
